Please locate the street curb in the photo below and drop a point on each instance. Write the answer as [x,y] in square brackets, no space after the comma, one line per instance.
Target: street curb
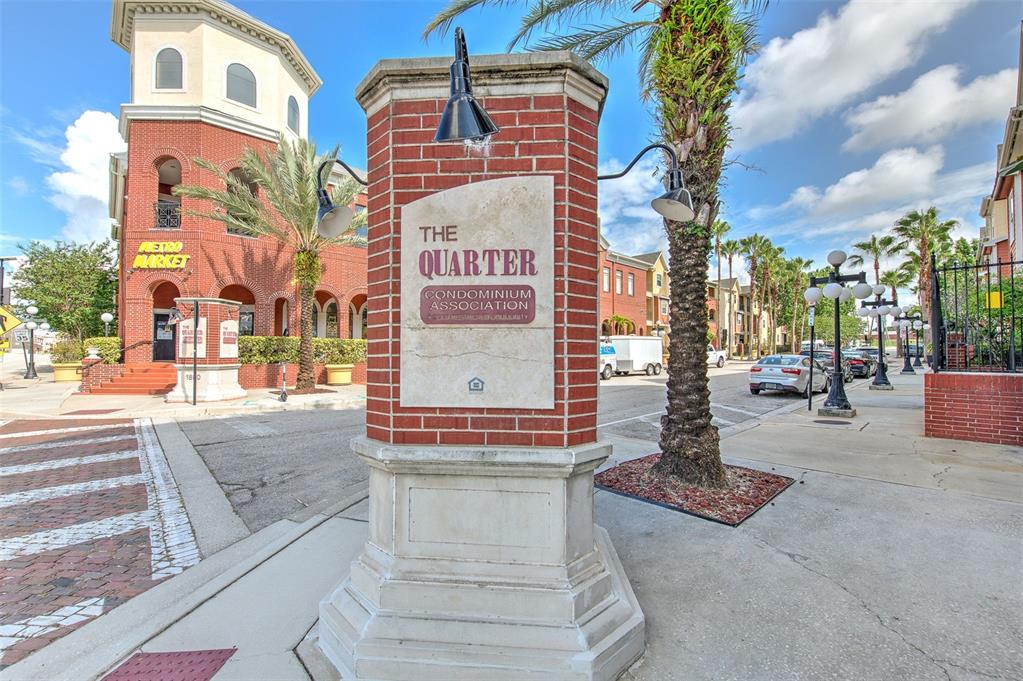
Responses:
[92,650]
[213,519]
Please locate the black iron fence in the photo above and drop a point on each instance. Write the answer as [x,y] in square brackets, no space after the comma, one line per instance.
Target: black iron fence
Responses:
[977,317]
[168,215]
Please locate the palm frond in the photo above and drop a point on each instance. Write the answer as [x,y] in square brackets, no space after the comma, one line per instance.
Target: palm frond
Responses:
[547,14]
[441,23]
[598,42]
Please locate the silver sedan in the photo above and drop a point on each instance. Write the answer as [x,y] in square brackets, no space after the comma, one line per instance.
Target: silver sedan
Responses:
[788,373]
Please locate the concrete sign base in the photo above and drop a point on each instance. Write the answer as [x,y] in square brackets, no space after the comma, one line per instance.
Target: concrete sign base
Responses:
[482,563]
[215,382]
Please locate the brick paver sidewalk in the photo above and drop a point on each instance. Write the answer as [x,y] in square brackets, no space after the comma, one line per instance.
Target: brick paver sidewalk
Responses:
[89,517]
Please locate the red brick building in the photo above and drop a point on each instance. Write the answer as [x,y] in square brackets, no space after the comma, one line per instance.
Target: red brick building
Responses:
[622,281]
[208,81]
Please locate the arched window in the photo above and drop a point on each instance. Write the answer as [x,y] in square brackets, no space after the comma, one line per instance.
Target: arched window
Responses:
[293,115]
[241,85]
[168,69]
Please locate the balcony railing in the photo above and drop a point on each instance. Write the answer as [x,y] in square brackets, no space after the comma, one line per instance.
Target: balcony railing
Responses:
[168,215]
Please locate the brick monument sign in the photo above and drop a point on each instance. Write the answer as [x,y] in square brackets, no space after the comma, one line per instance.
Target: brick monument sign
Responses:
[483,560]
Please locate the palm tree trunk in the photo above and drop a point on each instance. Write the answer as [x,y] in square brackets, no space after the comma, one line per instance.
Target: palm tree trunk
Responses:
[306,376]
[689,442]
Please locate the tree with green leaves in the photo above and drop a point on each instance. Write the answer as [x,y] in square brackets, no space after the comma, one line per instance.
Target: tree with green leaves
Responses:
[876,248]
[729,249]
[894,279]
[283,207]
[796,272]
[690,53]
[71,284]
[754,247]
[923,232]
[719,229]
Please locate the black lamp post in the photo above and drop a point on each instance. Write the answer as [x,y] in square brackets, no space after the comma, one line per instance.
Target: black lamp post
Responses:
[30,370]
[880,309]
[917,326]
[837,403]
[674,204]
[905,323]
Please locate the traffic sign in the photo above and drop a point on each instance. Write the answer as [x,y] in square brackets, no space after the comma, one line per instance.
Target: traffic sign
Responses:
[813,311]
[21,336]
[7,320]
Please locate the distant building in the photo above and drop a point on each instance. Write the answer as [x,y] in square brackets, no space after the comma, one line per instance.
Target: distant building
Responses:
[623,289]
[1001,237]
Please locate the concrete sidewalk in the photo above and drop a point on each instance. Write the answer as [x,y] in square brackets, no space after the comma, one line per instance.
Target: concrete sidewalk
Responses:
[892,557]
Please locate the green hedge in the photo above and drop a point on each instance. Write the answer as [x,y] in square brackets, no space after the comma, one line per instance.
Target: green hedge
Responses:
[67,351]
[109,348]
[276,349]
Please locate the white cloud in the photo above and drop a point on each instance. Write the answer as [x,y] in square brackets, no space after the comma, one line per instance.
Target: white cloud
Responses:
[627,220]
[819,69]
[934,106]
[81,188]
[18,185]
[897,175]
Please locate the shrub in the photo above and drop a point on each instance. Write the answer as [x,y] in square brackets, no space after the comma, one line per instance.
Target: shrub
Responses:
[276,349]
[109,348]
[67,351]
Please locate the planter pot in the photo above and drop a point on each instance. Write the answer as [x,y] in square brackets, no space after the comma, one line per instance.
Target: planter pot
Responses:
[67,372]
[339,374]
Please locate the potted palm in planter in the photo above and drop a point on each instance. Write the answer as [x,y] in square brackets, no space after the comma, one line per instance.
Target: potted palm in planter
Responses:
[66,359]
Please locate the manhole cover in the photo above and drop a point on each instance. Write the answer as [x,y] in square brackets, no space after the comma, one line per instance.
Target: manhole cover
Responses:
[828,422]
[190,665]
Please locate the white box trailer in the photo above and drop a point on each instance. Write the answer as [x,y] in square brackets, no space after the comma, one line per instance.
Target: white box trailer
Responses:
[638,353]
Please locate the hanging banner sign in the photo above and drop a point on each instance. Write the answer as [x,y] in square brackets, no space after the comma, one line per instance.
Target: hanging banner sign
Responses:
[160,255]
[228,339]
[477,296]
[813,313]
[185,339]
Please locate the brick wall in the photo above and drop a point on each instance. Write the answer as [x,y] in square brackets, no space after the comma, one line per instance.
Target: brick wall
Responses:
[977,407]
[94,372]
[543,134]
[218,259]
[252,376]
[622,304]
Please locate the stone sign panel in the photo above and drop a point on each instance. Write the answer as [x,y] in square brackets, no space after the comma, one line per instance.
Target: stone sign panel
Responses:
[477,296]
[185,339]
[229,339]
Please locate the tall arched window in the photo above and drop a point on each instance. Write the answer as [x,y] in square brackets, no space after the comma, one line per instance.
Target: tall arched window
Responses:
[241,85]
[293,115]
[168,69]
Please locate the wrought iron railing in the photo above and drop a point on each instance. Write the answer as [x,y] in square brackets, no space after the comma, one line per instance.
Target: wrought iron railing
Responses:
[168,215]
[977,317]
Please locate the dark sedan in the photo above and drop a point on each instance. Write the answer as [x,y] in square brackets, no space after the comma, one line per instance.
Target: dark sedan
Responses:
[827,358]
[861,363]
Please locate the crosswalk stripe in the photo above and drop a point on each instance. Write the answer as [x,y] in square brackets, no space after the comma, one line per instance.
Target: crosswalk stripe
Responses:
[64,463]
[47,540]
[61,431]
[67,443]
[32,495]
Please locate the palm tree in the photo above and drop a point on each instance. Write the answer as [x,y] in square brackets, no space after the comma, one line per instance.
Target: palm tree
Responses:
[924,233]
[876,249]
[900,277]
[753,247]
[729,249]
[771,262]
[284,207]
[718,230]
[690,55]
[797,268]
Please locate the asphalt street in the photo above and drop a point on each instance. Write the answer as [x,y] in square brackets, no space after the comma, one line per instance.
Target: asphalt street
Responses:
[291,464]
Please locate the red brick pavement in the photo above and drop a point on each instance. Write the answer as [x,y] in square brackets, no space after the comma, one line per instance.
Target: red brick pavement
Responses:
[50,585]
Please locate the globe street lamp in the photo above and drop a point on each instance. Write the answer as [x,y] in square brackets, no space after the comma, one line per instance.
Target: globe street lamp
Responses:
[906,323]
[834,289]
[917,326]
[873,309]
[30,370]
[106,318]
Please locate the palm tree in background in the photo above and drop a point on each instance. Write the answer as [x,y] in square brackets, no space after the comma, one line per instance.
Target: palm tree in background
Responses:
[900,277]
[797,268]
[876,248]
[753,248]
[690,55]
[285,177]
[729,249]
[718,230]
[922,233]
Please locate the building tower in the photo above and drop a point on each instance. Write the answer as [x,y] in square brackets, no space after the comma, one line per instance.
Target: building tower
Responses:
[207,81]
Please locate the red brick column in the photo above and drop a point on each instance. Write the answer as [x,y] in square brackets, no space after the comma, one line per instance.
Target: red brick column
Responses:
[541,134]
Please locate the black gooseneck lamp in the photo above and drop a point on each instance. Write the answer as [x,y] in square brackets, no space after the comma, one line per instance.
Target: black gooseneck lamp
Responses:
[674,204]
[463,117]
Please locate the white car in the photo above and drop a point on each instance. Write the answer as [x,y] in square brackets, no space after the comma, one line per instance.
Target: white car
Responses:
[715,357]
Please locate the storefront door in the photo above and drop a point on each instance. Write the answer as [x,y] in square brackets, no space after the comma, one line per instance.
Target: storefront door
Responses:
[163,338]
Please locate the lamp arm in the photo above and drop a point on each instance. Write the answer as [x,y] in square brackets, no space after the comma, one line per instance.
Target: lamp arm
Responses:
[656,145]
[330,162]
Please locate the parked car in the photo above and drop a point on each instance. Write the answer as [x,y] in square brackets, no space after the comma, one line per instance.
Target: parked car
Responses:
[861,363]
[827,359]
[715,357]
[873,352]
[637,353]
[788,373]
[607,360]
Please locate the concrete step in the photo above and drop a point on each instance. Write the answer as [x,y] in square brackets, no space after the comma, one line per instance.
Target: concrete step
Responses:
[108,389]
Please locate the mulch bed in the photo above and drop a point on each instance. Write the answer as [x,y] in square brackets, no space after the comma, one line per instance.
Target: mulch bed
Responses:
[748,490]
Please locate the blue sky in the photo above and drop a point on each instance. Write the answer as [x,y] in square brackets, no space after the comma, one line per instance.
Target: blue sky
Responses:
[852,113]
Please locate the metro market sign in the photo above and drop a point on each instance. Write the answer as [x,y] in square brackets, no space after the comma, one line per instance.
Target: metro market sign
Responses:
[160,255]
